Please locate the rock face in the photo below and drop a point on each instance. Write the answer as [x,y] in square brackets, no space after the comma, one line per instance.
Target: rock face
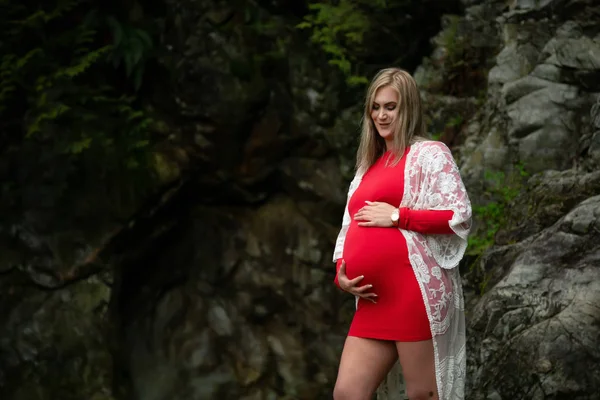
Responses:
[53,342]
[535,334]
[246,310]
[533,299]
[220,287]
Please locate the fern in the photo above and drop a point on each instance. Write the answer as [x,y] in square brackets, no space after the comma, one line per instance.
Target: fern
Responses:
[83,63]
[53,71]
[130,47]
[339,30]
[50,115]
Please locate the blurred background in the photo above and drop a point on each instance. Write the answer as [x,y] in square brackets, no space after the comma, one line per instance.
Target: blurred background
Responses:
[174,173]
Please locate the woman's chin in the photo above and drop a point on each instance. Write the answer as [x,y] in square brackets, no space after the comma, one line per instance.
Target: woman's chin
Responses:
[386,135]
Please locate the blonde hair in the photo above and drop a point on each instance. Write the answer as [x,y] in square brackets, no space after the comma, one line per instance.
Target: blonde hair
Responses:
[411,124]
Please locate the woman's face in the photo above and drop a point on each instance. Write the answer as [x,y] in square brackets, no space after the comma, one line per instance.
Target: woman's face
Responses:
[385,112]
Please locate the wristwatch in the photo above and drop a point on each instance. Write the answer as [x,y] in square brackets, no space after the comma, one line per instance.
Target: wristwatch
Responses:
[395,217]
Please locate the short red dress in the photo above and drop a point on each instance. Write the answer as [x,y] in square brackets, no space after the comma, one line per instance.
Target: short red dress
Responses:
[381,255]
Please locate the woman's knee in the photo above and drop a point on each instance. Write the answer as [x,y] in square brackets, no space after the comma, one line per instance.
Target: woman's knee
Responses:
[421,393]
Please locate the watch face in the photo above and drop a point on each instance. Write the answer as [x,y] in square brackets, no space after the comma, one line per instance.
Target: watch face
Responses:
[395,216]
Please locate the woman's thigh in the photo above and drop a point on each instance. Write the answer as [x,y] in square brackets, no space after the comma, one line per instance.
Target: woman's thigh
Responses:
[363,366]
[418,369]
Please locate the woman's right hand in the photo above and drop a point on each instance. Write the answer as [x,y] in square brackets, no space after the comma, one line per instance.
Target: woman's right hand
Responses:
[351,285]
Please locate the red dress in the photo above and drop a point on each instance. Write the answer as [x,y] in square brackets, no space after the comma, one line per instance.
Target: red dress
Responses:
[381,255]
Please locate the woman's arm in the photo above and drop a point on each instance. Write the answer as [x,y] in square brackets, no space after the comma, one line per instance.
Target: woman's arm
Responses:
[426,221]
[338,264]
[379,214]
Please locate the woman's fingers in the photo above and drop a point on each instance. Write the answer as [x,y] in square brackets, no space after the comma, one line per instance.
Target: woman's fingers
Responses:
[370,219]
[360,291]
[345,283]
[350,285]
[342,271]
[359,216]
[368,296]
[363,288]
[363,214]
[354,282]
[342,274]
[372,297]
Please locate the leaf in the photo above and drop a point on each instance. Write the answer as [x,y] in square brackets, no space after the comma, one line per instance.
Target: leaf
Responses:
[333,50]
[80,145]
[52,114]
[137,50]
[342,64]
[356,80]
[90,19]
[83,64]
[128,58]
[145,38]
[25,59]
[141,143]
[33,19]
[132,163]
[116,30]
[135,114]
[304,25]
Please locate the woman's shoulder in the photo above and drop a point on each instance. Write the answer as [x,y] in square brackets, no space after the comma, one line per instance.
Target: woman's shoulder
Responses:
[431,147]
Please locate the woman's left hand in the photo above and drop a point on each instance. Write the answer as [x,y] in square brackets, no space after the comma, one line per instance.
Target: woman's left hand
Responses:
[375,213]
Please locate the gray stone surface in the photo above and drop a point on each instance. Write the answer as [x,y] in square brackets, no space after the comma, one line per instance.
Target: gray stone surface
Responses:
[534,332]
[542,316]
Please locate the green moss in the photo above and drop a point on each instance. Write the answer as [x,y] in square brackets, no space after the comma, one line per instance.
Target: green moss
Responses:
[166,171]
[65,339]
[501,190]
[484,284]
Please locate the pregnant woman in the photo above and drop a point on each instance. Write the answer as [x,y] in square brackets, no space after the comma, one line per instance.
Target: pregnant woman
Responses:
[403,234]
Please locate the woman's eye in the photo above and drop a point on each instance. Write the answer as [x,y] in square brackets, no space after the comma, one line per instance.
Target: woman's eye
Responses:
[392,108]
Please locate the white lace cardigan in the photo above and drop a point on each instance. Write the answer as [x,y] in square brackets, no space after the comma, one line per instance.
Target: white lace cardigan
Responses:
[432,182]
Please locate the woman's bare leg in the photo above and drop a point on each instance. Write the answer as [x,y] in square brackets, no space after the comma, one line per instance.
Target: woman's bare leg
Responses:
[363,366]
[418,369]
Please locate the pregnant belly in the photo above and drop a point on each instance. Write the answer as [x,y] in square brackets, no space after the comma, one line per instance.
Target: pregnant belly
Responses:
[373,251]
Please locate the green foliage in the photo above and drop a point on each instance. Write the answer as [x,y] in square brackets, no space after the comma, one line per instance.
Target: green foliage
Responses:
[462,70]
[131,46]
[62,88]
[454,44]
[501,191]
[339,29]
[454,122]
[455,63]
[270,32]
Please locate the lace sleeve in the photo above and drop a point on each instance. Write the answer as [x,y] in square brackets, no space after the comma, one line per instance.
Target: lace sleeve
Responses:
[444,190]
[433,182]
